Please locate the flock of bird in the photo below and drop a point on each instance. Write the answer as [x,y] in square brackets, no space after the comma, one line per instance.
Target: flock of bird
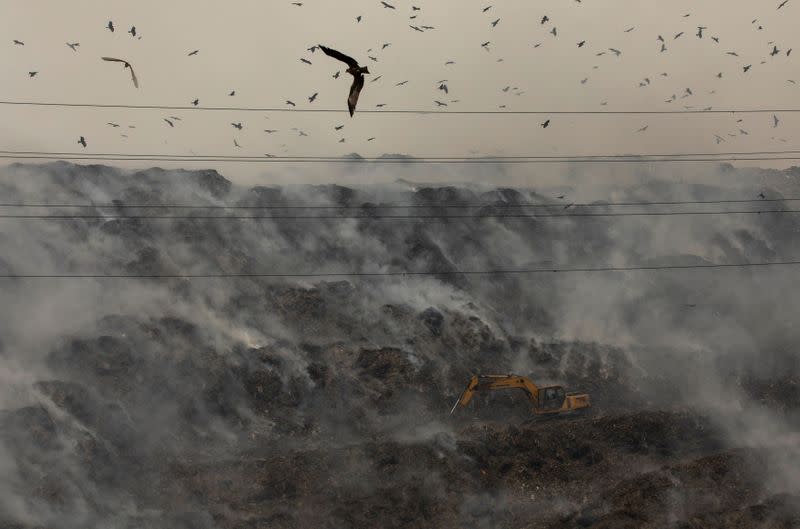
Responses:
[357,71]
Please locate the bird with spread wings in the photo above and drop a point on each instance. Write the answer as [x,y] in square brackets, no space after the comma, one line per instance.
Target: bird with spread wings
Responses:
[127,65]
[353,69]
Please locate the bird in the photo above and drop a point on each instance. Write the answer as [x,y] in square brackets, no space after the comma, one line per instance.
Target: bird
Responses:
[745,68]
[554,31]
[233,93]
[415,28]
[237,125]
[32,74]
[487,8]
[387,6]
[775,121]
[415,8]
[291,103]
[126,65]
[336,75]
[341,141]
[615,51]
[195,102]
[761,195]
[236,143]
[312,97]
[18,42]
[401,83]
[719,75]
[370,139]
[374,59]
[132,31]
[788,52]
[439,103]
[82,141]
[305,61]
[545,19]
[494,23]
[630,29]
[111,123]
[677,35]
[643,128]
[782,4]
[386,45]
[169,122]
[338,127]
[700,31]
[353,69]
[485,45]
[581,43]
[774,51]
[312,49]
[73,45]
[270,131]
[358,18]
[444,88]
[660,38]
[732,53]
[546,124]
[192,53]
[663,48]
[110,26]
[584,80]
[449,63]
[715,39]
[719,139]
[380,105]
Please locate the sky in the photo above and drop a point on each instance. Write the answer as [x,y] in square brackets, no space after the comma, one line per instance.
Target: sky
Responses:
[255,47]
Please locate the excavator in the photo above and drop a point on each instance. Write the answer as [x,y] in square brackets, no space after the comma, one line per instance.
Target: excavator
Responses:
[546,401]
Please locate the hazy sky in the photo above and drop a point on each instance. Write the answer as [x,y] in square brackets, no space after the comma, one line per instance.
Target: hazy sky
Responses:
[254,47]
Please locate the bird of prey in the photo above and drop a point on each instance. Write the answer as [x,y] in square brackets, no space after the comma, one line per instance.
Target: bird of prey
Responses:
[19,42]
[312,97]
[305,61]
[132,31]
[32,74]
[783,4]
[169,122]
[494,23]
[387,6]
[745,68]
[237,125]
[545,19]
[546,124]
[82,141]
[110,26]
[581,43]
[700,31]
[73,45]
[195,52]
[775,121]
[291,103]
[126,65]
[196,102]
[353,69]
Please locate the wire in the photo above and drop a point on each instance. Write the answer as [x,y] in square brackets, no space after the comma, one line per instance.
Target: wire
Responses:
[399,111]
[710,157]
[400,217]
[396,274]
[375,207]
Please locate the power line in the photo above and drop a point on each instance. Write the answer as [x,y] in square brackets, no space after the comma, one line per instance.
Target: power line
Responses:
[401,217]
[400,111]
[708,157]
[375,207]
[638,268]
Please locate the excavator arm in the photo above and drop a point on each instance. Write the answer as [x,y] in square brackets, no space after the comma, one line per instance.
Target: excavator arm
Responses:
[494,382]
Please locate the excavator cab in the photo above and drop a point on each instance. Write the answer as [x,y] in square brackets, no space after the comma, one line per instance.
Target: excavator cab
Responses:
[551,398]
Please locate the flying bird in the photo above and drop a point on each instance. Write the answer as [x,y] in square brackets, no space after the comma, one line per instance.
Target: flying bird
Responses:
[700,31]
[236,143]
[32,74]
[370,139]
[358,18]
[439,103]
[192,53]
[546,124]
[415,28]
[615,51]
[677,35]
[774,51]
[630,29]
[494,23]
[237,125]
[196,102]
[643,129]
[73,45]
[783,4]
[775,121]
[387,6]
[312,49]
[291,103]
[554,31]
[581,43]
[110,26]
[233,93]
[115,125]
[169,122]
[485,45]
[745,68]
[487,8]
[386,45]
[305,61]
[126,65]
[545,19]
[132,31]
[312,97]
[401,83]
[338,127]
[82,141]
[415,8]
[353,69]
[270,131]
[19,42]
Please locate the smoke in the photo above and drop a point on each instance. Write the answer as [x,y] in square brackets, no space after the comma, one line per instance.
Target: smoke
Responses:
[109,386]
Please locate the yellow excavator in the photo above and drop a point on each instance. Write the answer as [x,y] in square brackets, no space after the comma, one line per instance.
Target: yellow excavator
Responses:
[550,400]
